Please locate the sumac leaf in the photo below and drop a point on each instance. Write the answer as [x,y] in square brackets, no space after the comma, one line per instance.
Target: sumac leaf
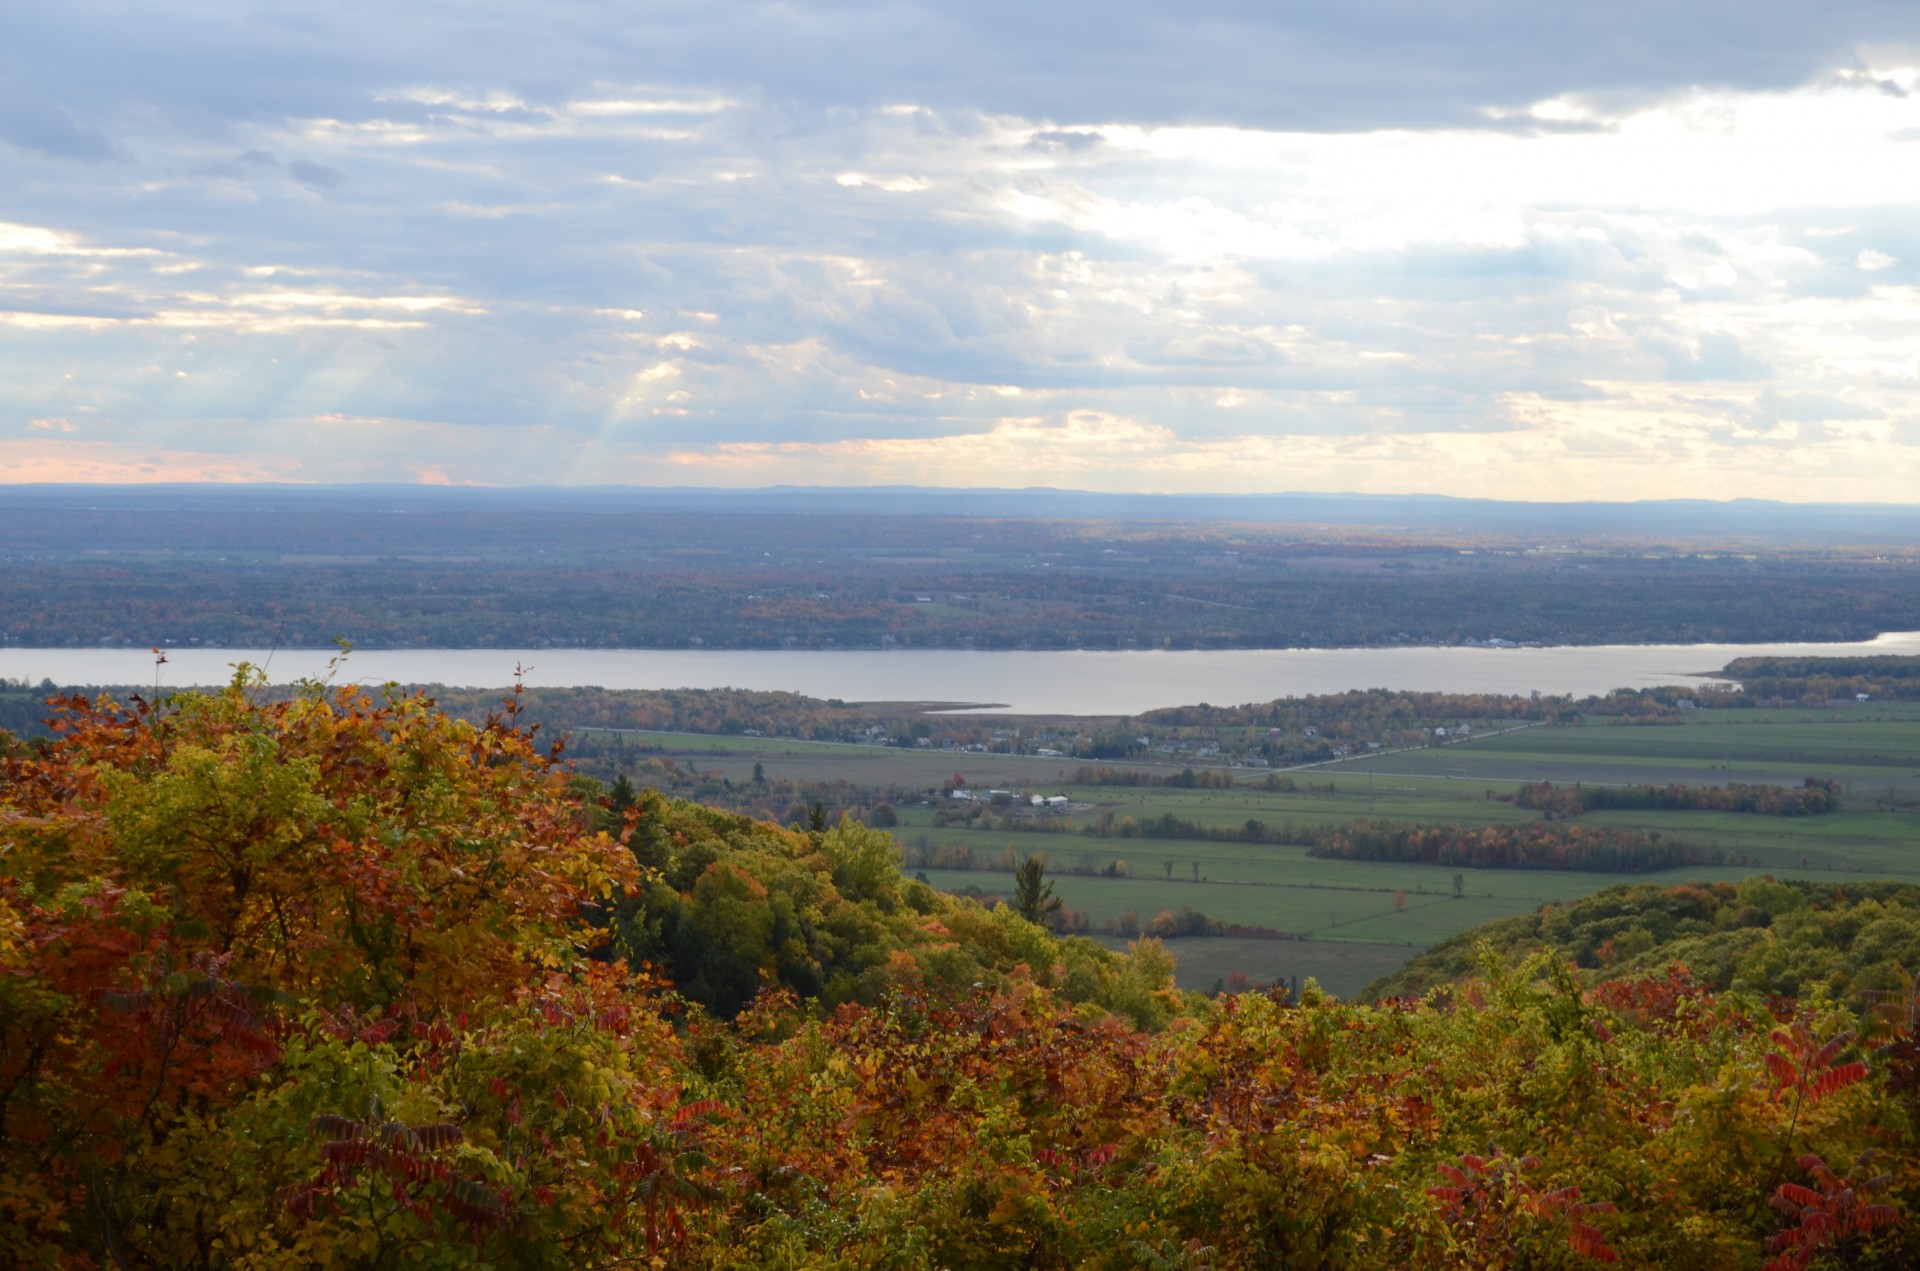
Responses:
[337,1128]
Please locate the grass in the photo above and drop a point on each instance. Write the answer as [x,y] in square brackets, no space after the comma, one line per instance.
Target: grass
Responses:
[1862,745]
[1341,968]
[1347,908]
[1344,900]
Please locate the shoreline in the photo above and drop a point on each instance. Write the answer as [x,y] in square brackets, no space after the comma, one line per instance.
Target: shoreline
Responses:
[1025,682]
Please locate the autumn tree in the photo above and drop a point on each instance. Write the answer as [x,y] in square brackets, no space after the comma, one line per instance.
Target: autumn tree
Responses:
[339,981]
[193,879]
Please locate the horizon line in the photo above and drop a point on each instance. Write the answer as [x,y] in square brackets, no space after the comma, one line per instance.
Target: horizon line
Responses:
[790,488]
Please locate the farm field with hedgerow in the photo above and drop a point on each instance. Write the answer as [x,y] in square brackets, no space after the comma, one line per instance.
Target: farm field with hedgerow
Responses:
[1357,913]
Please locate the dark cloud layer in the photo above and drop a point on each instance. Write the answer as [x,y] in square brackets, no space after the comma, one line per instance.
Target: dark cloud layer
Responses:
[319,175]
[40,125]
[1253,63]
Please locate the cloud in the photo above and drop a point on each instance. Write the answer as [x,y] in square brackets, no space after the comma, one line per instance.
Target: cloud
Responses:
[47,128]
[1812,407]
[1067,139]
[1712,355]
[318,175]
[68,460]
[1363,65]
[1367,247]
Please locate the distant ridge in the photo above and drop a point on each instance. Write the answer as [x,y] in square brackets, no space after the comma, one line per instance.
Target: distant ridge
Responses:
[1746,518]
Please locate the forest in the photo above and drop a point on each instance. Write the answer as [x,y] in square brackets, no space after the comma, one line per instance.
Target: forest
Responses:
[1854,943]
[478,569]
[1886,677]
[1336,597]
[337,979]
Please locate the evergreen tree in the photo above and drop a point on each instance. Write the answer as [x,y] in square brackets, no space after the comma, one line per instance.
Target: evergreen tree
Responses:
[621,795]
[1033,897]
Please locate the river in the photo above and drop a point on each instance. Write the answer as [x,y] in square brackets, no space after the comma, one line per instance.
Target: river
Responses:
[1050,683]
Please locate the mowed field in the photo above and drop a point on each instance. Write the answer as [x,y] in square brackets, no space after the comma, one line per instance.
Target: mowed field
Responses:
[1362,919]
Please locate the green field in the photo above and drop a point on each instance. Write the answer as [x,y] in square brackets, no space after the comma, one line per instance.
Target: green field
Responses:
[1346,910]
[1342,969]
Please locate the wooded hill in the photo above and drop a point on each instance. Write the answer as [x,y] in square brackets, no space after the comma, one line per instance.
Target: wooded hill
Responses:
[339,981]
[1856,942]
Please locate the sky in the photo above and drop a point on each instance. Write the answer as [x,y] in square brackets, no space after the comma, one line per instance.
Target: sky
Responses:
[1476,247]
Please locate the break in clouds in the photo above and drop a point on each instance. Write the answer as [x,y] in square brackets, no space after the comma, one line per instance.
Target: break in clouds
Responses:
[1635,252]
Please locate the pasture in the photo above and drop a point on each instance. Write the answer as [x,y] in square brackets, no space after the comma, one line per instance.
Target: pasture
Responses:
[1345,912]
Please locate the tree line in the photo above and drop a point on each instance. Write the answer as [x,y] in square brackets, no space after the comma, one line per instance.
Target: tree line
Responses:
[1813,797]
[1536,845]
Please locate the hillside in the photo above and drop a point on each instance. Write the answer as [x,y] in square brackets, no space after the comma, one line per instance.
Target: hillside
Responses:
[340,981]
[1856,942]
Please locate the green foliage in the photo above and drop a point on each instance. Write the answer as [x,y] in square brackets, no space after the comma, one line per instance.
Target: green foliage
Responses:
[1821,679]
[1814,796]
[1033,897]
[338,983]
[745,906]
[1530,846]
[1851,942]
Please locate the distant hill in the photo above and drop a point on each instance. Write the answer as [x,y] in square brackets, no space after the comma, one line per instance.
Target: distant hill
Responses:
[1755,519]
[794,568]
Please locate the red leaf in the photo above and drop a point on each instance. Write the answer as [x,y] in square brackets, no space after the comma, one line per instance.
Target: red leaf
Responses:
[1781,1069]
[337,1128]
[1831,1051]
[1588,1242]
[1796,1194]
[1867,1217]
[1837,1079]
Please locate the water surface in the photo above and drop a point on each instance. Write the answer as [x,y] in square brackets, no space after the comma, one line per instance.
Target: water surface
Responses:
[1064,683]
